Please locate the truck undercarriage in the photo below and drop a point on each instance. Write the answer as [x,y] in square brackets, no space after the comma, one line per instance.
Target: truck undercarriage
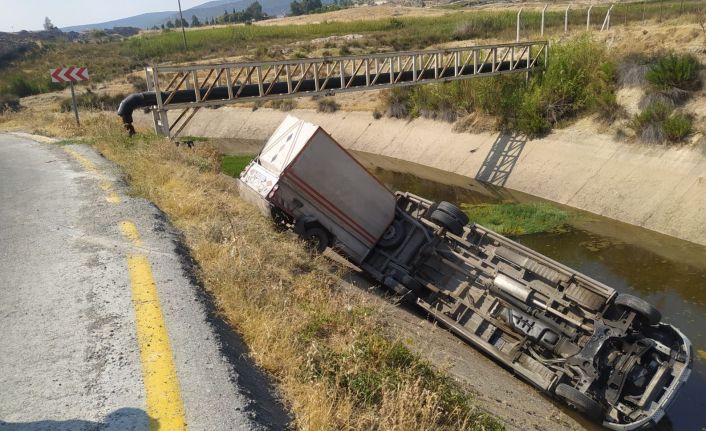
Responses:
[603,353]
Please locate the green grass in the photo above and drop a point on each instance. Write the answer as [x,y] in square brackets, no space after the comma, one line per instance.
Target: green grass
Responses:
[234,165]
[517,218]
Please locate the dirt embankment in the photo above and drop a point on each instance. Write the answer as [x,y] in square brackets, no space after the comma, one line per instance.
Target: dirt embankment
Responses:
[656,187]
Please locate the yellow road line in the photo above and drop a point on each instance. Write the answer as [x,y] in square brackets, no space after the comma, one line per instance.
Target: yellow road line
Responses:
[130,232]
[164,403]
[105,184]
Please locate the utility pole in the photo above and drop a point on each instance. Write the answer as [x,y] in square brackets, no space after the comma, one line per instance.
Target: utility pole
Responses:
[183,32]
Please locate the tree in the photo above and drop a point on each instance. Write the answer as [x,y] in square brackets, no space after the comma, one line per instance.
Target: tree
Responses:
[48,24]
[296,8]
[254,11]
[311,5]
[195,21]
[305,6]
[170,24]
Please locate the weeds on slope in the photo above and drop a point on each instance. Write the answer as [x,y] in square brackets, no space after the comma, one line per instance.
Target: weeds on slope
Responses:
[671,80]
[336,364]
[579,79]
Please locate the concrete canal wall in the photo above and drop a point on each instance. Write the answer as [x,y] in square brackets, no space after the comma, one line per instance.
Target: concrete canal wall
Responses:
[659,188]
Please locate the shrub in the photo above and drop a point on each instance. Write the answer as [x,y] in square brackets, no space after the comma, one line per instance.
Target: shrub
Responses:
[344,50]
[284,105]
[570,84]
[677,127]
[9,103]
[327,105]
[92,101]
[398,102]
[658,122]
[632,69]
[531,119]
[138,83]
[652,98]
[22,86]
[674,71]
[608,108]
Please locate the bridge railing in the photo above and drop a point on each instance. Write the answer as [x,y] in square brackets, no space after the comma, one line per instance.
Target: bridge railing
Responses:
[194,86]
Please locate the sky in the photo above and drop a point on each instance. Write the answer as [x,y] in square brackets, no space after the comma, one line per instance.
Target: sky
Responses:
[19,15]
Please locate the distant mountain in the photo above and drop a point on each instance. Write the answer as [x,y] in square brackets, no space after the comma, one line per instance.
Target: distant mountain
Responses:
[204,11]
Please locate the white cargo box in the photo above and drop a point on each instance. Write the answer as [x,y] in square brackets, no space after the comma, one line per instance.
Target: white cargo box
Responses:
[307,174]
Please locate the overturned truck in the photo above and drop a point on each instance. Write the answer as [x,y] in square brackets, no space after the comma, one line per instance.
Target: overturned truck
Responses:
[606,354]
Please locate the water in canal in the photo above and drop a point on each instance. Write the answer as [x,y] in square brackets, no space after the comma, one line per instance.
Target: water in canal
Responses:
[667,272]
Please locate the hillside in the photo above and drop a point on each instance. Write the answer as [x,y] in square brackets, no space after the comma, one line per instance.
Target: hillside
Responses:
[205,11]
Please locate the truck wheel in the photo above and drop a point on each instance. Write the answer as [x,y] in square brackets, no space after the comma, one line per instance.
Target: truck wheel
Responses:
[453,211]
[642,308]
[447,221]
[393,236]
[579,401]
[317,238]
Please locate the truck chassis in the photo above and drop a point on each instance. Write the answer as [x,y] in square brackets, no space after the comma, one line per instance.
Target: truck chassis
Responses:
[603,353]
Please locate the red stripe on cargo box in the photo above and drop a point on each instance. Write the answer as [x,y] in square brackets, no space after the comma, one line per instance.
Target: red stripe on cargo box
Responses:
[330,206]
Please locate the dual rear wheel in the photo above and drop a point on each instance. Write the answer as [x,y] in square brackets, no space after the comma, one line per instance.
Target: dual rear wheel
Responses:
[449,217]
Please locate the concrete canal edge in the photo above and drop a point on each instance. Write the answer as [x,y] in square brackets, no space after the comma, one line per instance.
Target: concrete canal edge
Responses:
[656,187]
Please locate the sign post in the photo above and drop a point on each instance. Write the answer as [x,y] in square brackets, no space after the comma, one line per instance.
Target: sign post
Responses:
[70,74]
[73,101]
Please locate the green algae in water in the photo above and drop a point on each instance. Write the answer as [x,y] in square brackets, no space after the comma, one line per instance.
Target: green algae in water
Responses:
[517,218]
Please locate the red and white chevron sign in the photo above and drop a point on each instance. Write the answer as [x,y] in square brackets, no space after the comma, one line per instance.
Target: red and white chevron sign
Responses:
[69,74]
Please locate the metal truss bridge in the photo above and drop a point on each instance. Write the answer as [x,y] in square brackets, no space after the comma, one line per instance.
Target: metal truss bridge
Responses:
[189,88]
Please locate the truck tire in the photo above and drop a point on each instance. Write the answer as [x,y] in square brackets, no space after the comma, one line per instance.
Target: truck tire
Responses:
[579,401]
[317,238]
[448,222]
[642,308]
[393,236]
[453,211]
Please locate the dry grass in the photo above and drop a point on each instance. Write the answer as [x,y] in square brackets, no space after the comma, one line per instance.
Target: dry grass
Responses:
[335,362]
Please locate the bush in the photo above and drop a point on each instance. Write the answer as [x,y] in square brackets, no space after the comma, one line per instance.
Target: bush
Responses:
[327,105]
[648,124]
[138,83]
[92,101]
[658,122]
[9,103]
[22,86]
[398,102]
[608,108]
[632,69]
[674,71]
[571,84]
[677,127]
[284,105]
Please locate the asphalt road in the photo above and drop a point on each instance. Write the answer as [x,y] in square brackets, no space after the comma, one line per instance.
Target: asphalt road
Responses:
[102,324]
